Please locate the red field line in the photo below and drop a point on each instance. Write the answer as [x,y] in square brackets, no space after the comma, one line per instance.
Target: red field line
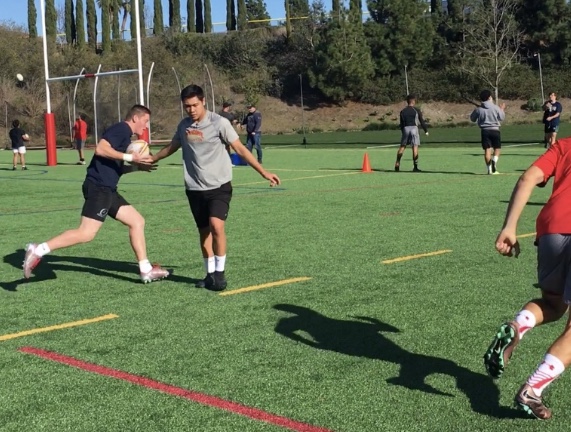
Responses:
[201,398]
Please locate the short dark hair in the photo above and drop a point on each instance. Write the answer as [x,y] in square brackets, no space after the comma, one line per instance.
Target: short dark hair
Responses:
[16,123]
[191,91]
[485,95]
[226,104]
[137,110]
[410,98]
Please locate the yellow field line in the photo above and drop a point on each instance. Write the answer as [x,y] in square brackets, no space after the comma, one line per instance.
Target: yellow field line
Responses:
[411,257]
[526,235]
[57,327]
[266,285]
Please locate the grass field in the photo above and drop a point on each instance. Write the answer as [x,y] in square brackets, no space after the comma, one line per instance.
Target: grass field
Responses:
[358,345]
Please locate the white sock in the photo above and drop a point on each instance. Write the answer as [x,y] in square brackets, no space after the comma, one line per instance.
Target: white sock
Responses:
[42,249]
[526,321]
[209,264]
[489,168]
[495,159]
[220,262]
[548,370]
[145,266]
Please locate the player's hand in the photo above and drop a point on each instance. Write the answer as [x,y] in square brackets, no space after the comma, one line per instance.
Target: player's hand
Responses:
[503,106]
[147,168]
[142,160]
[507,244]
[274,179]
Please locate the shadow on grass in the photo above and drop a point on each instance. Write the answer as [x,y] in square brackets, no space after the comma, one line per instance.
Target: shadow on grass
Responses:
[363,337]
[51,264]
[529,203]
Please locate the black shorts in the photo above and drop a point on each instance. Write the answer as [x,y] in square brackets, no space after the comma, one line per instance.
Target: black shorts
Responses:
[210,203]
[551,129]
[491,139]
[100,201]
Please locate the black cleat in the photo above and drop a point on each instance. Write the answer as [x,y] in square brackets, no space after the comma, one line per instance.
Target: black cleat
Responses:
[219,282]
[416,169]
[207,282]
[24,168]
[397,168]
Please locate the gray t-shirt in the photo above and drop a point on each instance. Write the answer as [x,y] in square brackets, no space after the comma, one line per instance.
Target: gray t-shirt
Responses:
[206,162]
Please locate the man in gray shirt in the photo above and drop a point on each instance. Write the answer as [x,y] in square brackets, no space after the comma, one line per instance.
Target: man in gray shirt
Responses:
[207,177]
[489,117]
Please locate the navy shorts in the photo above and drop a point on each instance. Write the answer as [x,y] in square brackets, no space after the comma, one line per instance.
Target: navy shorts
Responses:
[100,201]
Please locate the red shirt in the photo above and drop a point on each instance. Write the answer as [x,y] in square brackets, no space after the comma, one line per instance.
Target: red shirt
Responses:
[80,130]
[555,216]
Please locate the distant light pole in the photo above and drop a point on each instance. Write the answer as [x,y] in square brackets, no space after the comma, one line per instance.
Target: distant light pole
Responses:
[406,78]
[302,109]
[540,76]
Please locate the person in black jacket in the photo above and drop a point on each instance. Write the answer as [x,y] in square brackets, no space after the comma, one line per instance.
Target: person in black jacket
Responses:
[410,119]
[253,123]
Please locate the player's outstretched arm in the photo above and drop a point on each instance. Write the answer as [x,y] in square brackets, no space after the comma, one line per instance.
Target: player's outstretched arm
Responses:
[506,243]
[165,152]
[245,154]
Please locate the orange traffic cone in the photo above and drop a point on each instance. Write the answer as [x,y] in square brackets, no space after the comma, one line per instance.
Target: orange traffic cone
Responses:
[366,165]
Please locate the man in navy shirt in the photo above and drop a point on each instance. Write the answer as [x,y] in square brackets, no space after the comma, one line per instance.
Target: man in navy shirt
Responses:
[253,123]
[102,199]
[551,119]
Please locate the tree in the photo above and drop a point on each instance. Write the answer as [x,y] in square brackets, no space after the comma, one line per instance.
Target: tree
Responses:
[492,40]
[398,34]
[32,17]
[174,15]
[242,15]
[336,9]
[207,17]
[91,24]
[51,20]
[158,21]
[199,17]
[70,35]
[343,63]
[257,13]
[298,8]
[230,15]
[436,7]
[105,26]
[79,23]
[190,16]
[546,25]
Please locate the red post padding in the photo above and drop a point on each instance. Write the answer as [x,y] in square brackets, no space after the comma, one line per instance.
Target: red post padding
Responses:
[50,128]
[145,135]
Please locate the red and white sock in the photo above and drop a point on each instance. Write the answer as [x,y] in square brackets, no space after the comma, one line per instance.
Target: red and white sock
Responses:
[548,370]
[525,320]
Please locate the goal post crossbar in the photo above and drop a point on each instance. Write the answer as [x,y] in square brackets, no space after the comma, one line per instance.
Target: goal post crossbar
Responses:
[92,75]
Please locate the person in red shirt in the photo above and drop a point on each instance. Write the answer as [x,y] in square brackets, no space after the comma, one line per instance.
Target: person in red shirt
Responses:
[553,241]
[80,135]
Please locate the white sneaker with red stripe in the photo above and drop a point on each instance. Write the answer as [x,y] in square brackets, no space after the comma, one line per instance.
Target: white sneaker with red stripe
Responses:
[156,273]
[31,260]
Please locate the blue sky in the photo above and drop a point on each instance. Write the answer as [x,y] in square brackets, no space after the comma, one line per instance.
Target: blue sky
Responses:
[16,10]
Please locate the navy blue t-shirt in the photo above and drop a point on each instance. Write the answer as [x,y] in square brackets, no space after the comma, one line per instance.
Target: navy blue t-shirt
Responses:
[107,172]
[16,136]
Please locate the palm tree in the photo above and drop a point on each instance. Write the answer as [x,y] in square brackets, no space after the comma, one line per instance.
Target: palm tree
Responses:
[114,7]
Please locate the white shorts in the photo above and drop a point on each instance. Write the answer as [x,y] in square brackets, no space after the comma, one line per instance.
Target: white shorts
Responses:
[21,150]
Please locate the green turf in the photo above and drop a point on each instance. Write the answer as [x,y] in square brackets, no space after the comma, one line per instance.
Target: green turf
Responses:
[360,347]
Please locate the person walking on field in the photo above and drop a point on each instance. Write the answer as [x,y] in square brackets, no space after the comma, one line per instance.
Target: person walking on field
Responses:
[489,117]
[410,119]
[253,123]
[80,136]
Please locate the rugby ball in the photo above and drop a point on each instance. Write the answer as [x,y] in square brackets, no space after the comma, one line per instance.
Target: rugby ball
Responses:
[26,137]
[139,146]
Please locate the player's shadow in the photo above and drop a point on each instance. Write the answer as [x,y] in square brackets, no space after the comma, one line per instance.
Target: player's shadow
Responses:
[363,337]
[404,170]
[51,265]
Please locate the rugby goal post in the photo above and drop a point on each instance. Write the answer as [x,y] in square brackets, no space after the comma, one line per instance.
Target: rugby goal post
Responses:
[49,118]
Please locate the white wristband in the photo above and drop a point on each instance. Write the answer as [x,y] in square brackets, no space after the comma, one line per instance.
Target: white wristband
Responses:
[127,157]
